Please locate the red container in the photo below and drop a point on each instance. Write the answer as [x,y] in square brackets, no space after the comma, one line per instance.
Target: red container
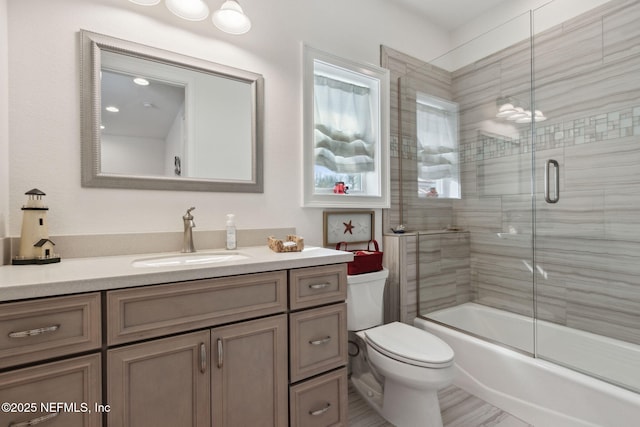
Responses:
[364,260]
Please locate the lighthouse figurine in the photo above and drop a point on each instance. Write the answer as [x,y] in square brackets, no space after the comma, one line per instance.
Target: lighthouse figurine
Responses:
[35,245]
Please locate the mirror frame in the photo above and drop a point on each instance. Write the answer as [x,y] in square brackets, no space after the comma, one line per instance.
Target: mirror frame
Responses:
[373,72]
[91,44]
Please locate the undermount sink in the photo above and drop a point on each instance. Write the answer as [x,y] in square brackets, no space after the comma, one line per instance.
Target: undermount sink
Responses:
[196,258]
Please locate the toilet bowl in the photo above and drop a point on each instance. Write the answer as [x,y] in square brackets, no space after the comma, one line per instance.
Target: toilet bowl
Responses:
[408,364]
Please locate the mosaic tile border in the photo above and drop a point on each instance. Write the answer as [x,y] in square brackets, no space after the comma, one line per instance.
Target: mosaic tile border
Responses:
[601,127]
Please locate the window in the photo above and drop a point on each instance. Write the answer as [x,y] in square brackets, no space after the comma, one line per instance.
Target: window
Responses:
[346,132]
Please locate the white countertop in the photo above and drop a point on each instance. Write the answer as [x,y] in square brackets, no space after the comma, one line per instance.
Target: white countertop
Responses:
[77,275]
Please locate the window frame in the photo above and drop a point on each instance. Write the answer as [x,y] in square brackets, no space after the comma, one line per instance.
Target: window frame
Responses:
[380,180]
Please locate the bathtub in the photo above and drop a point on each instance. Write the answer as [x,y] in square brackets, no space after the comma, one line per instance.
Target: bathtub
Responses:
[539,392]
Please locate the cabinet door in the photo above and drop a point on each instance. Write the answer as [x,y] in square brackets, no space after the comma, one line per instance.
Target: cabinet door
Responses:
[250,373]
[165,382]
[58,394]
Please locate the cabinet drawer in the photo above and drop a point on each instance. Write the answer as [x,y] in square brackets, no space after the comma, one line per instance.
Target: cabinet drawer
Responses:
[313,286]
[49,327]
[158,310]
[73,382]
[321,401]
[317,341]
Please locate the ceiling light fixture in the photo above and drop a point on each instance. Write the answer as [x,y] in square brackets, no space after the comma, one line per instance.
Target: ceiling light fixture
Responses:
[191,10]
[145,2]
[231,19]
[507,110]
[519,113]
[141,81]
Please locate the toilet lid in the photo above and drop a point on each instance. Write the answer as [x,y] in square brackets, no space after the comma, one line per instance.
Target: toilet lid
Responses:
[410,345]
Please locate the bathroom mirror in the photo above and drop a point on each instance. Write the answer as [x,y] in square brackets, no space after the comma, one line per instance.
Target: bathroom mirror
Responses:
[155,119]
[346,132]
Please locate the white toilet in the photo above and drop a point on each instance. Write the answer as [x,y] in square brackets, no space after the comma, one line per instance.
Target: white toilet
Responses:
[405,366]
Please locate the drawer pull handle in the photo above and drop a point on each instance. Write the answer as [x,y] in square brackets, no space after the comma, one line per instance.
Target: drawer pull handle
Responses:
[35,421]
[320,411]
[34,332]
[316,286]
[320,341]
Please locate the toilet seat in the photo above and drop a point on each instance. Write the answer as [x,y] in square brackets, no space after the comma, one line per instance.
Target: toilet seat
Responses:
[410,345]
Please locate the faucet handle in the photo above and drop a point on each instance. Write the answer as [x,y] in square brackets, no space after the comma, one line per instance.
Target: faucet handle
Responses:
[188,215]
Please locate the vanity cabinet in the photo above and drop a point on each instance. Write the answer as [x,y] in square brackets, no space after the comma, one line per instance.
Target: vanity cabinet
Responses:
[229,375]
[260,349]
[318,346]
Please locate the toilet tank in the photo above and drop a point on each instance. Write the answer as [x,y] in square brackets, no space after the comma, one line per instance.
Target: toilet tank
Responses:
[365,297]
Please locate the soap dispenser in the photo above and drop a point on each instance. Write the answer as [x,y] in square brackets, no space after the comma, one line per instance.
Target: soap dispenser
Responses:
[231,232]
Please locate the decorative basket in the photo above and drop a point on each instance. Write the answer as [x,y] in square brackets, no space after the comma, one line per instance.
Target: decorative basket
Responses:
[291,244]
[364,260]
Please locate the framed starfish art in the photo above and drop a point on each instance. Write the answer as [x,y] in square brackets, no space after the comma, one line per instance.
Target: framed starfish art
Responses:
[347,226]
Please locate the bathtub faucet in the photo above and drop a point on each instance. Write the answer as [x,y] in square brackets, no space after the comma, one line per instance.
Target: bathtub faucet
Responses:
[187,240]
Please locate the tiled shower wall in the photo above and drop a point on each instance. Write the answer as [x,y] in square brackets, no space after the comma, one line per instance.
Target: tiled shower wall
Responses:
[587,260]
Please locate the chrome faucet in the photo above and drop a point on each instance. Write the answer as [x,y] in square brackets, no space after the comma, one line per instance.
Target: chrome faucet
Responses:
[187,240]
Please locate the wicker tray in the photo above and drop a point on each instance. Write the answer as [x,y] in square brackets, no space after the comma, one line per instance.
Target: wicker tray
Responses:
[291,244]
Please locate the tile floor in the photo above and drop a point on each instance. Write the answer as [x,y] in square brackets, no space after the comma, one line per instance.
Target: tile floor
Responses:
[459,409]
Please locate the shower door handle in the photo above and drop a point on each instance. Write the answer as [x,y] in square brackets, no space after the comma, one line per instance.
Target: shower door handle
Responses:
[547,181]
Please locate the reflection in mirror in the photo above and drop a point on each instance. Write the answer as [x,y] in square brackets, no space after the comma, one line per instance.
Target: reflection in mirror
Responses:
[142,124]
[346,132]
[154,119]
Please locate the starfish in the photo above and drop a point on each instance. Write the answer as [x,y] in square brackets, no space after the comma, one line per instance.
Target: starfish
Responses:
[348,227]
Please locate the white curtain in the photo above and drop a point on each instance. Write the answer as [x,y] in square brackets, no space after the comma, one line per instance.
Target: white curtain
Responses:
[436,142]
[344,128]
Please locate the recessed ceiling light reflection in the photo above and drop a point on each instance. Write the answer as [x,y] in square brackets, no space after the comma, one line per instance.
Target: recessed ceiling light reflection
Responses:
[141,81]
[112,109]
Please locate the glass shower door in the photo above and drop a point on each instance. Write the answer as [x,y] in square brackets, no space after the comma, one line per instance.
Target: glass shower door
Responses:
[587,199]
[477,274]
